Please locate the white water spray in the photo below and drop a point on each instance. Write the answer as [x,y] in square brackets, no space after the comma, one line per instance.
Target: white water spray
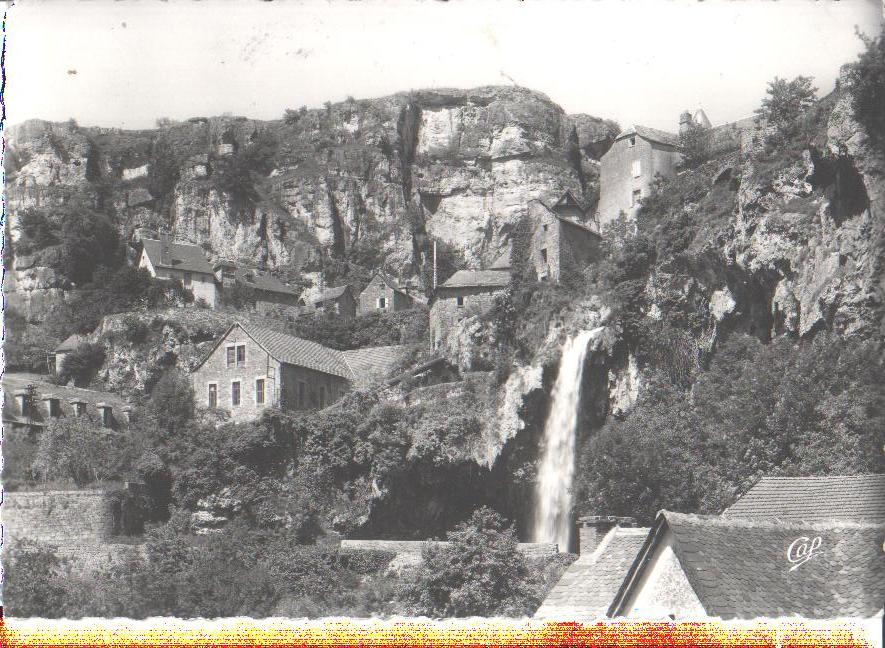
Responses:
[553,492]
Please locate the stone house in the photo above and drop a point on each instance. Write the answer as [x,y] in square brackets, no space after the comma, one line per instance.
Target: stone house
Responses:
[465,293]
[338,300]
[183,261]
[62,350]
[30,403]
[561,242]
[627,171]
[250,369]
[694,566]
[385,294]
[268,291]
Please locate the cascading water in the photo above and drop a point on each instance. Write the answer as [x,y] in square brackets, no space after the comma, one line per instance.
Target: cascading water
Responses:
[553,492]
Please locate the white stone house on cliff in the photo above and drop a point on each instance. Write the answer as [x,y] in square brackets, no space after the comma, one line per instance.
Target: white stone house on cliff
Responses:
[183,261]
[465,293]
[250,369]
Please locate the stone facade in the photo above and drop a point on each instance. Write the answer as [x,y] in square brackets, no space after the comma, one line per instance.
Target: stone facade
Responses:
[340,302]
[561,245]
[215,375]
[201,283]
[627,172]
[240,365]
[450,305]
[382,294]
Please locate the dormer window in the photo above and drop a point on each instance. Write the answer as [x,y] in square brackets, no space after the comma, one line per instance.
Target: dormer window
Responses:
[105,411]
[79,406]
[53,409]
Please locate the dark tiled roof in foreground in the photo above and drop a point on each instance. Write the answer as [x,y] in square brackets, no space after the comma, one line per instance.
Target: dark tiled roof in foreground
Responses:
[372,364]
[588,586]
[739,568]
[304,353]
[858,498]
[182,256]
[478,278]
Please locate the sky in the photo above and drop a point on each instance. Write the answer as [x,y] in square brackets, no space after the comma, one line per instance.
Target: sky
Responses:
[127,63]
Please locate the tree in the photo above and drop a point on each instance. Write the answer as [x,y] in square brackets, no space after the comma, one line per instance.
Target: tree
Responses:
[480,573]
[695,144]
[868,86]
[172,402]
[34,581]
[89,239]
[786,101]
[80,450]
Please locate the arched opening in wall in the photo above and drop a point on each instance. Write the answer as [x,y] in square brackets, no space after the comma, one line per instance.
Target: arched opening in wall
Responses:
[842,183]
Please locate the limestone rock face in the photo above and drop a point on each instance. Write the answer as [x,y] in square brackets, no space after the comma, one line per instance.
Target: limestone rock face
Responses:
[371,177]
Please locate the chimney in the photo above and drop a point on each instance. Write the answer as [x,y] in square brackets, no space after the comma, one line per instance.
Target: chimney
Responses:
[592,529]
[165,248]
[685,122]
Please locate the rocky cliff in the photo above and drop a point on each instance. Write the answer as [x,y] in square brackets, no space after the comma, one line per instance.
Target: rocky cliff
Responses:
[370,180]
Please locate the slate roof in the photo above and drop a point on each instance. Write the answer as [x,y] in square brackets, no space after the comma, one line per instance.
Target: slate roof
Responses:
[588,586]
[71,343]
[858,498]
[296,351]
[362,367]
[478,278]
[13,382]
[372,364]
[652,134]
[329,293]
[184,256]
[262,280]
[739,569]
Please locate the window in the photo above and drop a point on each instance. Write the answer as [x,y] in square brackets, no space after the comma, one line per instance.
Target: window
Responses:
[636,197]
[53,407]
[188,278]
[302,394]
[637,168]
[106,417]
[631,142]
[235,393]
[382,302]
[241,355]
[259,391]
[231,356]
[544,227]
[460,301]
[213,395]
[544,256]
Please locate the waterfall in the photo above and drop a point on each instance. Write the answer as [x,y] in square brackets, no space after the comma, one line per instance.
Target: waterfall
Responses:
[553,492]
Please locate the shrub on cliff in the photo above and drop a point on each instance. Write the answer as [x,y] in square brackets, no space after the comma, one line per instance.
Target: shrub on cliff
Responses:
[481,573]
[786,101]
[868,88]
[81,364]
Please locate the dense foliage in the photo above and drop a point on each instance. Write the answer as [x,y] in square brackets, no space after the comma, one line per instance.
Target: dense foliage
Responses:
[372,329]
[786,101]
[868,92]
[480,573]
[81,364]
[790,408]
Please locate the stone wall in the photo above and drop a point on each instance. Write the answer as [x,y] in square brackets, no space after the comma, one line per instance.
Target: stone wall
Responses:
[408,552]
[445,312]
[79,524]
[395,301]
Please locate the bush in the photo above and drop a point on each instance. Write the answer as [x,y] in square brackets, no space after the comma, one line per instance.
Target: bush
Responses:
[81,364]
[786,101]
[80,450]
[695,145]
[34,581]
[172,402]
[480,573]
[868,87]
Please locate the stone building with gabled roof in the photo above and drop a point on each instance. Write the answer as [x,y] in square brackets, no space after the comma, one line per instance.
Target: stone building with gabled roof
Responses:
[267,291]
[250,369]
[385,294]
[709,566]
[185,262]
[465,293]
[339,300]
